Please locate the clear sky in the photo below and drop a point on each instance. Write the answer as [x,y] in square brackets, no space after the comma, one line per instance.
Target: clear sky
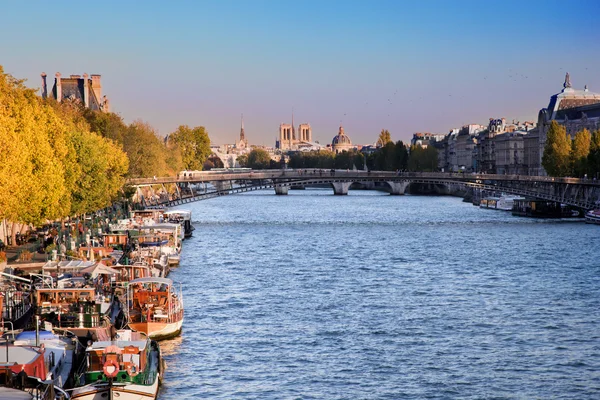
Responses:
[418,66]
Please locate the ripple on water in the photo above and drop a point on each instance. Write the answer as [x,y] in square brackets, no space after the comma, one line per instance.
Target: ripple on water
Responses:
[313,296]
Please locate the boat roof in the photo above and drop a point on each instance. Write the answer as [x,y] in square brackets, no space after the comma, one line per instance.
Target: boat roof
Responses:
[140,344]
[74,264]
[14,394]
[162,225]
[20,354]
[178,212]
[152,279]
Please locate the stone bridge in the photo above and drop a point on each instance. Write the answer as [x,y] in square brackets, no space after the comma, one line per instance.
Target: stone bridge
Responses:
[194,185]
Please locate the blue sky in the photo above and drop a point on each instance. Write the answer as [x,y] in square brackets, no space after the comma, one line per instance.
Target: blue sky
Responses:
[370,65]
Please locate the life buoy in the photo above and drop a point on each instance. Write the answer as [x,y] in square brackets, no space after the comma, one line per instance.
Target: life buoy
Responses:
[108,371]
[132,370]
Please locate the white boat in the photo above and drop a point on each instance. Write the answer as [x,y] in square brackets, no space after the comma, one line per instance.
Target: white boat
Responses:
[129,368]
[183,217]
[154,307]
[592,217]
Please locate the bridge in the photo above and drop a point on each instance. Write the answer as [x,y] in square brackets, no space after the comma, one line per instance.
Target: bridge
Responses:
[172,191]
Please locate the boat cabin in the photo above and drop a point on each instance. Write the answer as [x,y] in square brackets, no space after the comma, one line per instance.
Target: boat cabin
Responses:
[130,352]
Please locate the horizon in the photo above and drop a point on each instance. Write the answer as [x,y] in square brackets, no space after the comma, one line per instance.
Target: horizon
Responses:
[404,67]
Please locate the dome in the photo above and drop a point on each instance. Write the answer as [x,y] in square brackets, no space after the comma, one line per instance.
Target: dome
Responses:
[341,138]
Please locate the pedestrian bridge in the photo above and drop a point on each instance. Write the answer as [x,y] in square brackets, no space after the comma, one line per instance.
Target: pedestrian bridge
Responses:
[201,185]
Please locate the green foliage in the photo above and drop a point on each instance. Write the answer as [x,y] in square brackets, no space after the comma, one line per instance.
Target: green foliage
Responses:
[312,159]
[401,157]
[242,160]
[423,160]
[384,138]
[194,145]
[259,159]
[556,159]
[579,152]
[593,161]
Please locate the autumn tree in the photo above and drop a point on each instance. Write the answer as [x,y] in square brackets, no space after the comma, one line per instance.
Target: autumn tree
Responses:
[33,142]
[384,138]
[556,158]
[580,150]
[145,150]
[194,145]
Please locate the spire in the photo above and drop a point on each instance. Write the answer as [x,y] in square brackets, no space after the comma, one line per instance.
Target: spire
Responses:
[242,134]
[567,83]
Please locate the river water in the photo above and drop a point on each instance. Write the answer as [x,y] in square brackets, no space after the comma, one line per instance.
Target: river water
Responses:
[372,296]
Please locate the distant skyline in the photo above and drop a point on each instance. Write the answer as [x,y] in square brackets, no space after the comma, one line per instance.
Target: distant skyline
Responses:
[395,65]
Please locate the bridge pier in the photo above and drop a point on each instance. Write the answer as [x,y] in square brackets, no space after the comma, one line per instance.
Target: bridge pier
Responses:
[281,190]
[397,188]
[341,188]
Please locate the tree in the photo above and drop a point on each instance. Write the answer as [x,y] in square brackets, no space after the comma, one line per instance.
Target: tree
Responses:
[194,145]
[385,157]
[579,152]
[556,157]
[259,159]
[594,156]
[145,150]
[242,160]
[34,149]
[422,159]
[213,162]
[103,167]
[384,138]
[401,156]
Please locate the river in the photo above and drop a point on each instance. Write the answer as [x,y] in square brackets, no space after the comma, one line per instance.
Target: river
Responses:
[372,296]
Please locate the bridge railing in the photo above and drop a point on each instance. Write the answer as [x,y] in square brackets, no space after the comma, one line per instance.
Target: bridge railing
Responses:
[208,176]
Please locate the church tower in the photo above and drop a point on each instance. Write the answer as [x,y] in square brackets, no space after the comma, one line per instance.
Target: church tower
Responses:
[243,143]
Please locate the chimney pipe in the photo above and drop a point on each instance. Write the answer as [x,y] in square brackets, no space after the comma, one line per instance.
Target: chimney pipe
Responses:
[44,86]
[86,91]
[58,87]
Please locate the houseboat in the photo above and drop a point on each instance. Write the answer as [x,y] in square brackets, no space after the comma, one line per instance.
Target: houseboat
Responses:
[503,203]
[85,311]
[182,217]
[16,307]
[127,368]
[38,364]
[154,307]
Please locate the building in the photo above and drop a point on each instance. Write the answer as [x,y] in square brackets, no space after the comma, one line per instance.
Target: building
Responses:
[287,136]
[509,153]
[86,89]
[574,109]
[465,142]
[531,153]
[341,142]
[425,139]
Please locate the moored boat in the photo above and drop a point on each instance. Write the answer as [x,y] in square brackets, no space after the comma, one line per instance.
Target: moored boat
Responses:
[127,368]
[154,307]
[592,217]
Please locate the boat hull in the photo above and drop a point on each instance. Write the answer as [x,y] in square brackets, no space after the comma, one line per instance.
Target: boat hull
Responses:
[121,392]
[158,330]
